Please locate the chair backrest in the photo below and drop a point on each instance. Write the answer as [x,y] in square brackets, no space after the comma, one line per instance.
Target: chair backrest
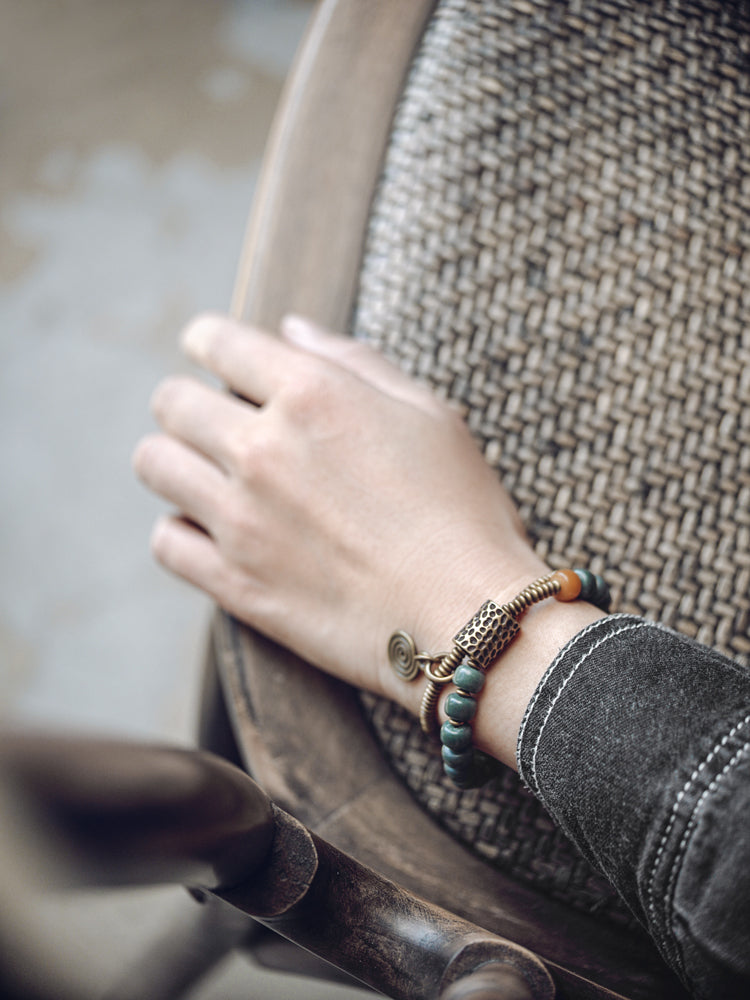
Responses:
[558,244]
[548,223]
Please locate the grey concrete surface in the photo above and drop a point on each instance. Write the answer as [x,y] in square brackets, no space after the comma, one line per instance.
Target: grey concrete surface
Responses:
[130,138]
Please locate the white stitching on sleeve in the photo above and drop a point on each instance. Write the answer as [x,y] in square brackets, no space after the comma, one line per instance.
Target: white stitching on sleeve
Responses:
[551,670]
[634,626]
[650,890]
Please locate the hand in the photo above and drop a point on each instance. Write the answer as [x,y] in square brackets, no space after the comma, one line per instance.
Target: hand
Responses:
[330,501]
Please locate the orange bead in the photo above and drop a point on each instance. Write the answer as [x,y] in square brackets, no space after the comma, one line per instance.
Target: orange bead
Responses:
[570,585]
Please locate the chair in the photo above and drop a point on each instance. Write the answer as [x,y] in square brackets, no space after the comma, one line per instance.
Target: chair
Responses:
[538,209]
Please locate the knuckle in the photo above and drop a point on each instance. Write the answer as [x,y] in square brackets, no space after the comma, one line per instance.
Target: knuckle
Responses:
[254,455]
[309,393]
[237,530]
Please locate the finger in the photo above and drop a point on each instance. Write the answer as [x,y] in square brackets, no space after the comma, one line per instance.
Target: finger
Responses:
[189,553]
[182,476]
[207,420]
[251,362]
[358,358]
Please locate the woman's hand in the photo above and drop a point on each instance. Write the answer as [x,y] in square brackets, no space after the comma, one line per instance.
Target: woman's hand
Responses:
[330,501]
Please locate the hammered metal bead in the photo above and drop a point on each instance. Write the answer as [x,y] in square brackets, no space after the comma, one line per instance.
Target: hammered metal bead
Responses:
[487,634]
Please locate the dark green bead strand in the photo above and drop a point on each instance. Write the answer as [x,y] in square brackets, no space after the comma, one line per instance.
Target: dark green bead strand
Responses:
[462,763]
[594,589]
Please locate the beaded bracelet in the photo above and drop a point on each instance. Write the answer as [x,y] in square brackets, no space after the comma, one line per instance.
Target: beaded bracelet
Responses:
[475,648]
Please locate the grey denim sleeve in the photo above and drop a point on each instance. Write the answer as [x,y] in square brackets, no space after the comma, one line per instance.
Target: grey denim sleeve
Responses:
[637,741]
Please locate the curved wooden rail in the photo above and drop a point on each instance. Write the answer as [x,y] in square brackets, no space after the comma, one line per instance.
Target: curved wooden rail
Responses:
[126,813]
[304,241]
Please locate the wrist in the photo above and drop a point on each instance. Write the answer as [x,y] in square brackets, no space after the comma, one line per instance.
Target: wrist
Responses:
[514,676]
[449,602]
[494,575]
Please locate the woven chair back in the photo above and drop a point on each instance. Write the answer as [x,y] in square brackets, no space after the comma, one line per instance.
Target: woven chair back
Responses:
[560,244]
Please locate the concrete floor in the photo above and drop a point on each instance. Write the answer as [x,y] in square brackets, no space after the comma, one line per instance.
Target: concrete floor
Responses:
[130,139]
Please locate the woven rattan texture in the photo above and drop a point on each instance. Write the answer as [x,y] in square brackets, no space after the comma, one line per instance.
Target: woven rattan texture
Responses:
[560,242]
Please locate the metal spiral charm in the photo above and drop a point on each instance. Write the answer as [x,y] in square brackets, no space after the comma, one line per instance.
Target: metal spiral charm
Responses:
[402,656]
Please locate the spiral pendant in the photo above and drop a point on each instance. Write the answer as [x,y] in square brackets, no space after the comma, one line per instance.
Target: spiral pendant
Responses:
[402,656]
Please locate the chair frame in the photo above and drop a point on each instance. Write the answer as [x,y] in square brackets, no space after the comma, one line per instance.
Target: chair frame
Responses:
[302,254]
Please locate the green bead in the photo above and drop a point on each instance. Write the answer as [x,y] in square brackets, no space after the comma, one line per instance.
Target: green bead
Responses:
[481,769]
[457,776]
[588,585]
[460,707]
[464,780]
[468,679]
[455,737]
[602,596]
[459,759]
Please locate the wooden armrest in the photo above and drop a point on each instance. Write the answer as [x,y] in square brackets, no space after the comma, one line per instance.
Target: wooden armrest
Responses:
[127,813]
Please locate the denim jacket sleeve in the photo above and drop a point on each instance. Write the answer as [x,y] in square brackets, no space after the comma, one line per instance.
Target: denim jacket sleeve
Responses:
[637,741]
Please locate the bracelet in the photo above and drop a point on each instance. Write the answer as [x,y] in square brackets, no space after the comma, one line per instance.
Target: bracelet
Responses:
[475,648]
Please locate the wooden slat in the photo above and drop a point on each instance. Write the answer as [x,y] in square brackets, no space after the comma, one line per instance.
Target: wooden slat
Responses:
[304,242]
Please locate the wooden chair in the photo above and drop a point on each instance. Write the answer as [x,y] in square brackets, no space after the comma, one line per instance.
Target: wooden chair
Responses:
[539,209]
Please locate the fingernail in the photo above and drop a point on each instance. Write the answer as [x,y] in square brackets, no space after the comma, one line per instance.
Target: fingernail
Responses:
[197,335]
[299,329]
